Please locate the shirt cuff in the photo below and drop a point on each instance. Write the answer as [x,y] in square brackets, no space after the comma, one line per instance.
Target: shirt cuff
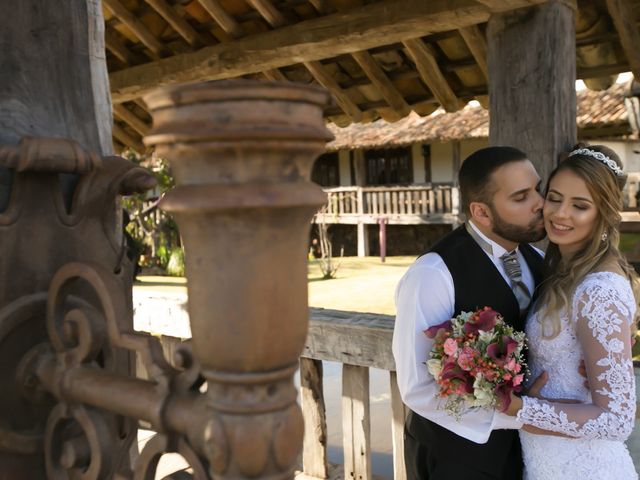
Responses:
[502,421]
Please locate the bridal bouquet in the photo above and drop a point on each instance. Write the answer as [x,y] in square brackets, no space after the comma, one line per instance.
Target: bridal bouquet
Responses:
[477,360]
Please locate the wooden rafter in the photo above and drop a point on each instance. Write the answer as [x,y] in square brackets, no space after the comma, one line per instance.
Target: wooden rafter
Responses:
[431,75]
[136,26]
[358,29]
[176,21]
[270,13]
[126,139]
[625,22]
[477,44]
[380,79]
[321,6]
[131,119]
[325,79]
[118,48]
[222,18]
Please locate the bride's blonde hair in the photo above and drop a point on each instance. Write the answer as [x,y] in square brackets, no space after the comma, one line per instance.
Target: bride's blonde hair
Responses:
[563,276]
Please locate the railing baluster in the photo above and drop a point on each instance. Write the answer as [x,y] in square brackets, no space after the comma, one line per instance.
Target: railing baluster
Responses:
[356,422]
[432,201]
[439,200]
[398,415]
[314,450]
[424,209]
[387,202]
[401,203]
[447,200]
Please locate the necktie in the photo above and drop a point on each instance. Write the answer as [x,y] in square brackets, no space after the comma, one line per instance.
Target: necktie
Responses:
[512,268]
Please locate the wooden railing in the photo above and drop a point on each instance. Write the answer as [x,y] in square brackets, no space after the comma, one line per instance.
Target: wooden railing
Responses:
[380,202]
[359,341]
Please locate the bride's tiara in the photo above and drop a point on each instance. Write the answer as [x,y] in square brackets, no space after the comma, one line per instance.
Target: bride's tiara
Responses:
[601,157]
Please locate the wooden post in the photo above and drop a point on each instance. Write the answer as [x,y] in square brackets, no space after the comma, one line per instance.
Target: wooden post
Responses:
[383,239]
[314,450]
[532,61]
[363,231]
[398,415]
[363,239]
[356,422]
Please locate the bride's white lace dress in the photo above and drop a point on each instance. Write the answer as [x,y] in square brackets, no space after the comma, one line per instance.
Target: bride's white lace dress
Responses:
[602,307]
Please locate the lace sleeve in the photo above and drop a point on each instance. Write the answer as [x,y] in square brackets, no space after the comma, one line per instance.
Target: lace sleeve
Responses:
[602,318]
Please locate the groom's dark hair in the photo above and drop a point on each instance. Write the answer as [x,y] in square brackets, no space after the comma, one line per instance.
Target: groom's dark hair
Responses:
[474,177]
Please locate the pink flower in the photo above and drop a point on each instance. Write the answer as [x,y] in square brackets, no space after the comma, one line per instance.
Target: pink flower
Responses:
[485,320]
[432,332]
[517,380]
[511,365]
[506,376]
[466,358]
[450,346]
[502,349]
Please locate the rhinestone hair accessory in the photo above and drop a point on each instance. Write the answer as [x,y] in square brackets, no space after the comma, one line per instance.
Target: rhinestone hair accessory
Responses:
[601,157]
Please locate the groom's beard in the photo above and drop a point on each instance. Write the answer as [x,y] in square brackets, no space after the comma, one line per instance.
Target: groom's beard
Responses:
[534,232]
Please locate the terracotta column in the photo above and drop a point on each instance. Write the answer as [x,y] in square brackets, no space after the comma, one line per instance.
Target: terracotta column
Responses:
[241,153]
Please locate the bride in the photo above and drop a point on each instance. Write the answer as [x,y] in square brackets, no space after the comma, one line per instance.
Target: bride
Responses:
[585,311]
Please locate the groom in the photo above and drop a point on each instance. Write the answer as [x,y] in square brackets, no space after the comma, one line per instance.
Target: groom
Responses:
[486,262]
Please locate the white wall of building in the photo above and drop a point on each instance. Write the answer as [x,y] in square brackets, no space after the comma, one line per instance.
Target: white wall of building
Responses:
[419,174]
[345,168]
[441,155]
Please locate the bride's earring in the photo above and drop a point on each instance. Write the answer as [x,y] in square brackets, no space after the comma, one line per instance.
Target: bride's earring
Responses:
[604,236]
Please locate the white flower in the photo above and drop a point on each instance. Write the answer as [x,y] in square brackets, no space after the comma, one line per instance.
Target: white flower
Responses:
[435,367]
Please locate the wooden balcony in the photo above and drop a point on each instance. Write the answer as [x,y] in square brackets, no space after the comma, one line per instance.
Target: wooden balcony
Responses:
[398,205]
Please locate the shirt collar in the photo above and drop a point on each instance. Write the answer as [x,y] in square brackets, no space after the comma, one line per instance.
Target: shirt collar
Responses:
[492,248]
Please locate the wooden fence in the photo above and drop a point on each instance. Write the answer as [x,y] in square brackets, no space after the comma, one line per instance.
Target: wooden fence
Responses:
[359,341]
[394,201]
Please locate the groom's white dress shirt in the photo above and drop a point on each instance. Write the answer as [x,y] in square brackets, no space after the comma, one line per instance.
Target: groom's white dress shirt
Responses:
[425,297]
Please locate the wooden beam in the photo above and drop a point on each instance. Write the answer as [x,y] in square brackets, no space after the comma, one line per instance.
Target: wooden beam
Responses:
[138,28]
[126,139]
[477,44]
[222,18]
[379,78]
[321,6]
[358,29]
[178,22]
[270,13]
[343,100]
[532,96]
[431,75]
[275,75]
[506,5]
[624,20]
[118,48]
[131,119]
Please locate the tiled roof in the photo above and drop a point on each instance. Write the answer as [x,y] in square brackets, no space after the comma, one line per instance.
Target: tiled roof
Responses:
[595,109]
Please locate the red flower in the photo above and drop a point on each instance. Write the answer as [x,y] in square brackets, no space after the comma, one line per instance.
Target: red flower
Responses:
[500,351]
[503,394]
[432,332]
[483,320]
[451,371]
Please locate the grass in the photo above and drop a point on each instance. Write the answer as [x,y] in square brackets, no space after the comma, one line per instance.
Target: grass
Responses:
[361,284]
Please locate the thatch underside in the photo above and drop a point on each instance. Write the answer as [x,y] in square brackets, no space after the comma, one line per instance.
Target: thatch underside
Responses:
[379,58]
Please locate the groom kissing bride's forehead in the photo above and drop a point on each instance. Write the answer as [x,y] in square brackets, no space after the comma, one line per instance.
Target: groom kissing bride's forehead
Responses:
[584,311]
[485,262]
[501,192]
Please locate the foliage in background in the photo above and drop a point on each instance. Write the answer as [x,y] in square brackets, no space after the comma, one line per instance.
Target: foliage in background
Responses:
[153,232]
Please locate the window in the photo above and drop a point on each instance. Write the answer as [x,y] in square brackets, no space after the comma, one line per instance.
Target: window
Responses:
[326,170]
[391,166]
[426,153]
